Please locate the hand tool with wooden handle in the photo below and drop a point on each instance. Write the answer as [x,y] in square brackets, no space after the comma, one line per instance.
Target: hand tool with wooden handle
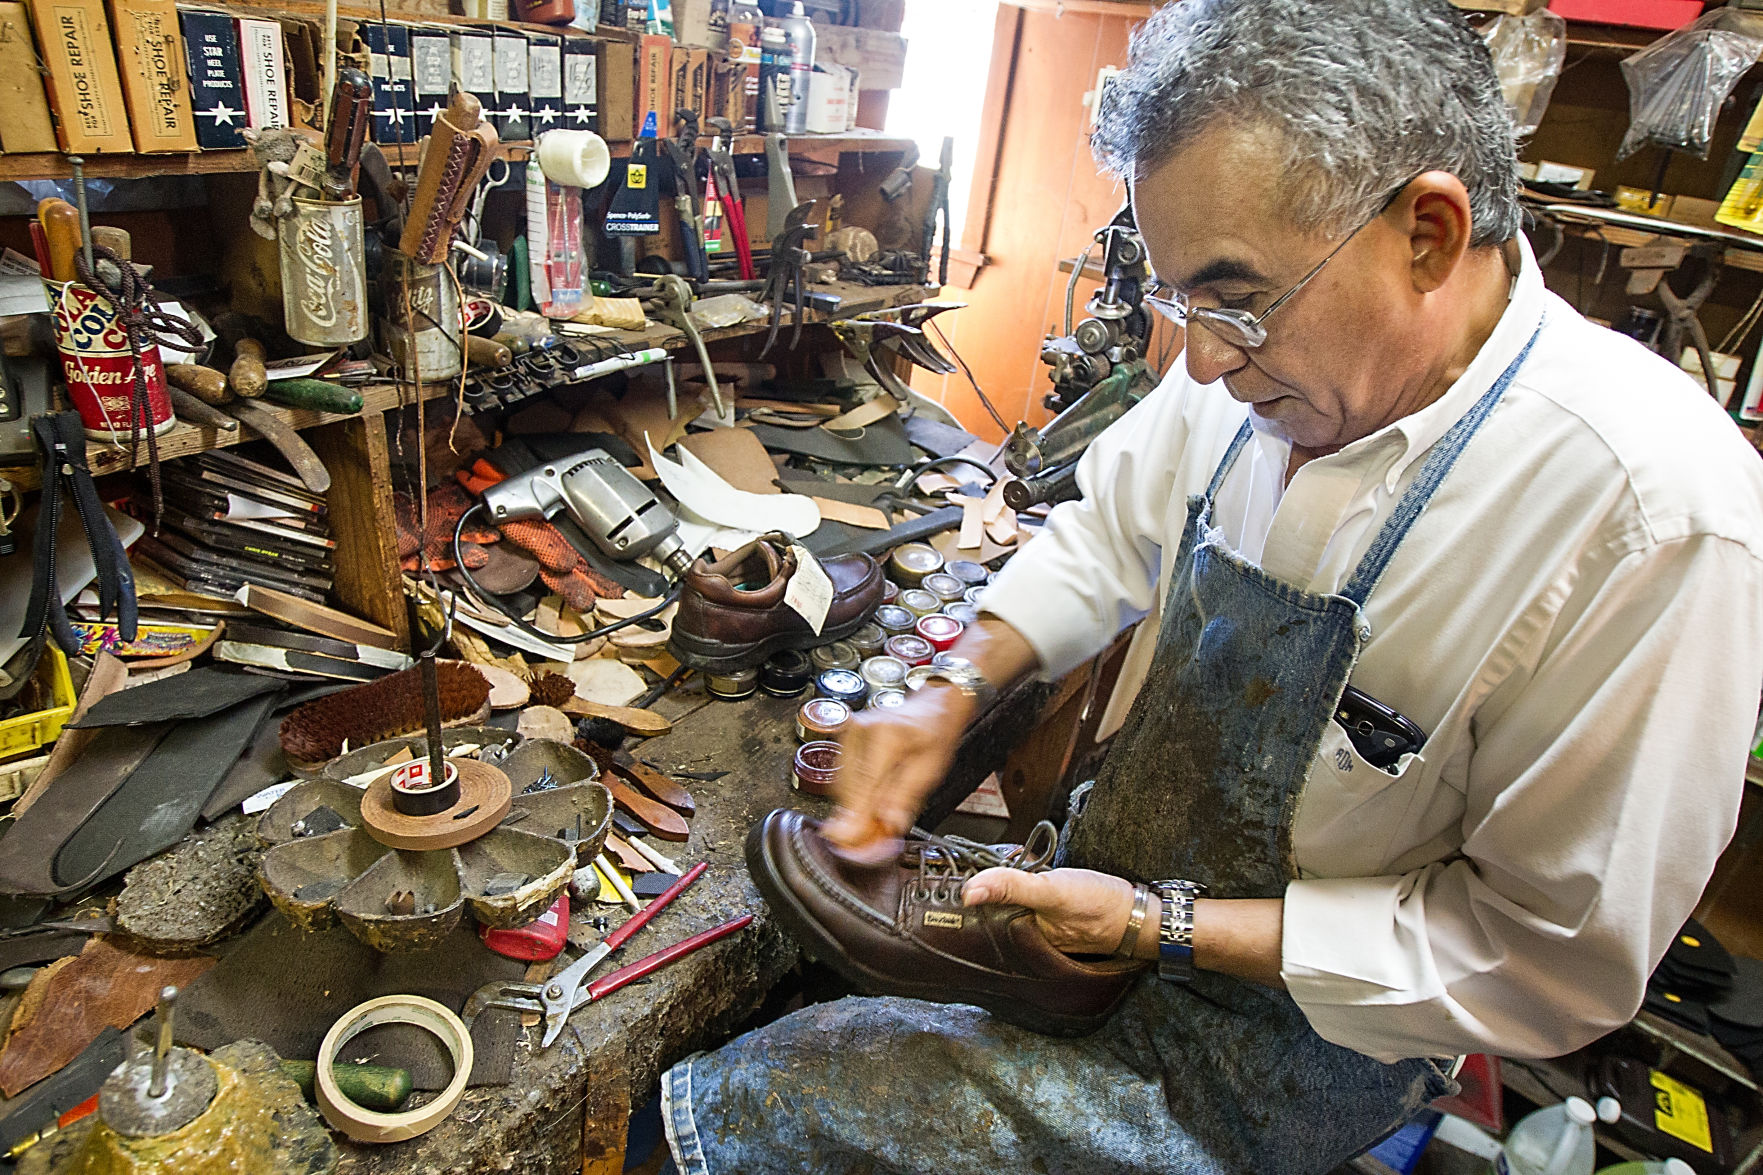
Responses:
[248,377]
[193,411]
[294,450]
[317,394]
[644,722]
[351,109]
[61,228]
[204,383]
[658,818]
[460,150]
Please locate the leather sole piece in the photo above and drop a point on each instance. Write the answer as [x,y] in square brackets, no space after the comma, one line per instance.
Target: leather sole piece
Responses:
[820,946]
[714,656]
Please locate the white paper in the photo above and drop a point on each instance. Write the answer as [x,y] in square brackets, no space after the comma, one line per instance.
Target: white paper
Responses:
[22,293]
[508,634]
[240,507]
[269,795]
[715,513]
[299,367]
[810,592]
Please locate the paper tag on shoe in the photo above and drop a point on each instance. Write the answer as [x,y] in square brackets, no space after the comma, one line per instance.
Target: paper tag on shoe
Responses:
[810,591]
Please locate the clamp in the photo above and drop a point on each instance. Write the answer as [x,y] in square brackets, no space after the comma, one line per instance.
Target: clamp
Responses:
[785,278]
[676,297]
[728,188]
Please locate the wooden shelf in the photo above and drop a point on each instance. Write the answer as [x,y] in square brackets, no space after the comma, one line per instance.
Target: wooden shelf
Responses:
[858,299]
[826,148]
[1734,257]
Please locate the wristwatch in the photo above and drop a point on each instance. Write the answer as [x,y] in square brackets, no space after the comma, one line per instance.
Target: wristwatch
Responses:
[965,676]
[1175,936]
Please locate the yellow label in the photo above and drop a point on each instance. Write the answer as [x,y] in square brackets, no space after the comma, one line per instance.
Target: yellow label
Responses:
[1673,997]
[1743,206]
[636,176]
[946,921]
[1680,1112]
[1689,940]
[1752,137]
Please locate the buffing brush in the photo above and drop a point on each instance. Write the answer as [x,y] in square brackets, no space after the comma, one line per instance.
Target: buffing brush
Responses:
[551,689]
[316,733]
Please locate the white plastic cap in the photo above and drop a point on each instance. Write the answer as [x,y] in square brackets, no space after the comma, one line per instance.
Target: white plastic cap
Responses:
[799,10]
[1678,1167]
[1580,1110]
[1609,1110]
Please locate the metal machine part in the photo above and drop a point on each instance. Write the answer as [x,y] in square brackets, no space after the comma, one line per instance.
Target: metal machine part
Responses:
[1099,371]
[156,1093]
[618,512]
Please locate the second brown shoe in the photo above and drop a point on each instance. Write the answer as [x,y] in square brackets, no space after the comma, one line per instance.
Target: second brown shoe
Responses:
[732,613]
[899,928]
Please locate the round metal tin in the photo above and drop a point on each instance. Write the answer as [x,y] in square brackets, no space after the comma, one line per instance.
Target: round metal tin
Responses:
[843,685]
[961,610]
[911,648]
[732,687]
[968,572]
[887,699]
[884,672]
[941,631]
[911,562]
[786,674]
[820,719]
[868,640]
[943,586]
[838,655]
[920,602]
[894,620]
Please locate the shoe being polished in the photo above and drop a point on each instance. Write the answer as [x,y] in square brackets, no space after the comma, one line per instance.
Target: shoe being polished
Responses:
[899,928]
[732,613]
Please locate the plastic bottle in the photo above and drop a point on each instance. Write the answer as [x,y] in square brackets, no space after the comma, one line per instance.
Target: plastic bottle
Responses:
[1555,1140]
[745,20]
[800,32]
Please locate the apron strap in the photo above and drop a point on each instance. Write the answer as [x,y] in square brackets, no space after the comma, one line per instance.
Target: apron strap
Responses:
[1438,463]
[1230,457]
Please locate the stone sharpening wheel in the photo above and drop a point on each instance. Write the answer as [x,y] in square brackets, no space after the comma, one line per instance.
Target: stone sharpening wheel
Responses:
[504,849]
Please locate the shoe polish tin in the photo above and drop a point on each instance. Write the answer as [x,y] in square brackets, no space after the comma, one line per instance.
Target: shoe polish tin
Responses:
[868,640]
[786,674]
[941,631]
[970,574]
[918,675]
[842,685]
[821,719]
[881,673]
[963,611]
[919,602]
[886,699]
[733,686]
[894,620]
[817,766]
[911,562]
[943,586]
[838,655]
[973,594]
[890,591]
[911,648]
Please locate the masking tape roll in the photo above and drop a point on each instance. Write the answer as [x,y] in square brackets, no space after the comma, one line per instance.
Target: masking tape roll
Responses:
[368,1125]
[577,159]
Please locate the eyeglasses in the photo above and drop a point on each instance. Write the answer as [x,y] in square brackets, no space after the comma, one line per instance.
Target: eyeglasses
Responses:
[1239,328]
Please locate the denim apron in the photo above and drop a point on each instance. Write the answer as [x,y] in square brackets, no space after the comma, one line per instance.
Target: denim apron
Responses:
[1217,1076]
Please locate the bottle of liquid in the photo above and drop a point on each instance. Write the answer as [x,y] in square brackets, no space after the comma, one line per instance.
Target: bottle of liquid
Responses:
[799,31]
[745,20]
[774,78]
[1555,1140]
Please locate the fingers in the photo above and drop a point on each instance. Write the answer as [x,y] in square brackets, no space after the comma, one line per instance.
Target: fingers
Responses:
[1003,886]
[893,759]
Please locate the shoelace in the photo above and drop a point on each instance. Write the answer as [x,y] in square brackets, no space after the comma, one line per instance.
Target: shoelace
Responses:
[946,862]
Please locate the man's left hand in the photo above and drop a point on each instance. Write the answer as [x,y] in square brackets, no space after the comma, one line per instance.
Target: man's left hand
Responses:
[1081,912]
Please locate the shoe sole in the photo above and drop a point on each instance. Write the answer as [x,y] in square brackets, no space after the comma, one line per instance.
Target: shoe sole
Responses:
[823,948]
[712,656]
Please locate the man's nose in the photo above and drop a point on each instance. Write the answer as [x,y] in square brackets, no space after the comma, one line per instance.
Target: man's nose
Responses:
[1209,357]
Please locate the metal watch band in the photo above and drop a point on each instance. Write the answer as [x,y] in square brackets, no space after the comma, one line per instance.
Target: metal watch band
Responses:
[967,678]
[1175,939]
[1141,903]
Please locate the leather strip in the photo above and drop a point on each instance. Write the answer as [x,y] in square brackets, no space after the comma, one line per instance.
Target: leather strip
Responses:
[364,1125]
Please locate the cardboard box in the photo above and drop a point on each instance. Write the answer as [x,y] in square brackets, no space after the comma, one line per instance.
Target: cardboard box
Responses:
[581,84]
[513,85]
[474,64]
[545,82]
[27,125]
[616,65]
[701,22]
[431,74]
[655,84]
[691,83]
[832,98]
[265,69]
[879,58]
[217,99]
[85,92]
[150,57]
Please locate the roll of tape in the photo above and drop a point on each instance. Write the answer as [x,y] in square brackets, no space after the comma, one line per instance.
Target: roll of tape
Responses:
[578,159]
[368,1125]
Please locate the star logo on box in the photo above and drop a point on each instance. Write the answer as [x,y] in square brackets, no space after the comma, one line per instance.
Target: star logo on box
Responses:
[545,114]
[580,114]
[221,114]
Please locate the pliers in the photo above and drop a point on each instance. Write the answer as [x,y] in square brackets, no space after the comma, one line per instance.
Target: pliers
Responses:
[785,278]
[682,153]
[568,990]
[728,190]
[676,299]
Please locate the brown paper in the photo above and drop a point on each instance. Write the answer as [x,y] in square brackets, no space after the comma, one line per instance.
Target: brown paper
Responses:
[737,457]
[27,125]
[156,86]
[852,514]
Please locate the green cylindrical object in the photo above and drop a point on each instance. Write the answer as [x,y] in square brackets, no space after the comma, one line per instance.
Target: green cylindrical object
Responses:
[316,394]
[372,1087]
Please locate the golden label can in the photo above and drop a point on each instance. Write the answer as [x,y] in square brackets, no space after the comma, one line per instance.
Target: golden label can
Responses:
[100,369]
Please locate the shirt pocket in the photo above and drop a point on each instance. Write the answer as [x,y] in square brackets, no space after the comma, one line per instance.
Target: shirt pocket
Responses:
[1351,811]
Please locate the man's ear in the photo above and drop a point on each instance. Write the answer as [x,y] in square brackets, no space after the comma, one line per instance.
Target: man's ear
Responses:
[1435,208]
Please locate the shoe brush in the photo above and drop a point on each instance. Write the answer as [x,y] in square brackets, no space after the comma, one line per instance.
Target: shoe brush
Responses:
[392,706]
[551,689]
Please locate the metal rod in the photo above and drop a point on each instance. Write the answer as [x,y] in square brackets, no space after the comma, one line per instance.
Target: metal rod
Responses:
[162,1046]
[431,701]
[78,163]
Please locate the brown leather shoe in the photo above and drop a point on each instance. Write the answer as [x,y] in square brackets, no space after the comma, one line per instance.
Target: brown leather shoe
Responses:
[899,928]
[732,614]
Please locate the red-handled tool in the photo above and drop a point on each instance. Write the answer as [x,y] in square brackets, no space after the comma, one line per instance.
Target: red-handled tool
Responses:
[607,984]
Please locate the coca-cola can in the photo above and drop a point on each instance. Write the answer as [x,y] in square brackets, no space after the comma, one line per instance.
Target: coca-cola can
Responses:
[422,324]
[324,275]
[100,368]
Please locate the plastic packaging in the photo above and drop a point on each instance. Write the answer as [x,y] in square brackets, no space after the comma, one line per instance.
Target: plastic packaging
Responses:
[1677,84]
[1528,53]
[1555,1140]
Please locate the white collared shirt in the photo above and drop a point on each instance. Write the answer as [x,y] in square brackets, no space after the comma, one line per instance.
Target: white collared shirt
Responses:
[1576,621]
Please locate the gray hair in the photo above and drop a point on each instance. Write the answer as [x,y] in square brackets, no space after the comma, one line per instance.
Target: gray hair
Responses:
[1367,94]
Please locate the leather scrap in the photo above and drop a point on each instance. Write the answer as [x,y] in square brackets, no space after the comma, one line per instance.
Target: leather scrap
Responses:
[107,986]
[203,691]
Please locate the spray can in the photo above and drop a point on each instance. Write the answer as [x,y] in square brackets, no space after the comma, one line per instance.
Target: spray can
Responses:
[745,21]
[799,31]
[774,78]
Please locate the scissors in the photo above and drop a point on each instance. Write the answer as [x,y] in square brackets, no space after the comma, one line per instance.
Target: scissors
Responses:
[563,993]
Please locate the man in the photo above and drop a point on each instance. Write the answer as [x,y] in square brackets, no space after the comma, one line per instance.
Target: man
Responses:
[1393,462]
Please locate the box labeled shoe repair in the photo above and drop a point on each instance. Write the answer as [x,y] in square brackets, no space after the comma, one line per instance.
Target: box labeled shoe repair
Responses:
[655,84]
[265,71]
[150,57]
[616,65]
[28,125]
[85,93]
[581,85]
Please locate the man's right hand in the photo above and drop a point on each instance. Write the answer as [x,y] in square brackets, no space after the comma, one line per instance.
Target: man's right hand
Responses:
[893,760]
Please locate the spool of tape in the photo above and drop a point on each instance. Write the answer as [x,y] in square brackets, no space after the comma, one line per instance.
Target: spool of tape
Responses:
[578,159]
[371,1126]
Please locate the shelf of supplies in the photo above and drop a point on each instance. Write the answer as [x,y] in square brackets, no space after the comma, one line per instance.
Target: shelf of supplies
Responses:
[857,299]
[806,145]
[1623,237]
[54,166]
